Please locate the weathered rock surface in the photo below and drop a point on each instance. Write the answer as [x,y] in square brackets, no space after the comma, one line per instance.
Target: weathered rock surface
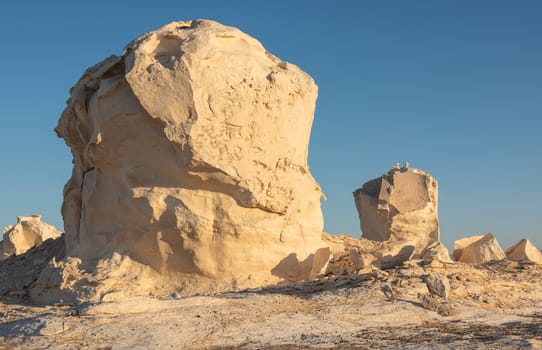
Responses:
[349,255]
[524,250]
[28,232]
[401,204]
[478,249]
[190,158]
[19,272]
[437,251]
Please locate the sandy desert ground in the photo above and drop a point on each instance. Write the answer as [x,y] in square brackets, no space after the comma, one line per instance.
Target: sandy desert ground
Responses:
[491,306]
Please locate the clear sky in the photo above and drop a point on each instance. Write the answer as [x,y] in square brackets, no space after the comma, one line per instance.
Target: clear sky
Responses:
[454,87]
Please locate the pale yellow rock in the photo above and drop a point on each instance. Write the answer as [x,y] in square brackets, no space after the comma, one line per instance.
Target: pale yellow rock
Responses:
[437,252]
[462,243]
[481,250]
[524,250]
[190,158]
[350,255]
[394,252]
[401,204]
[29,232]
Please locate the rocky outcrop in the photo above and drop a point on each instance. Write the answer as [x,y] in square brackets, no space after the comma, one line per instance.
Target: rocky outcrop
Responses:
[190,158]
[437,252]
[18,273]
[349,255]
[401,204]
[478,249]
[524,250]
[28,232]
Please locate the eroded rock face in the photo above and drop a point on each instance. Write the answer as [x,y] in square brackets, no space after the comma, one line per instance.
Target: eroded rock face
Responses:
[478,249]
[190,157]
[401,204]
[28,232]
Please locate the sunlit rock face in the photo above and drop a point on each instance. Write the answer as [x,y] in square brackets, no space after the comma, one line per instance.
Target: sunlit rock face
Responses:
[401,204]
[524,250]
[478,249]
[28,232]
[190,157]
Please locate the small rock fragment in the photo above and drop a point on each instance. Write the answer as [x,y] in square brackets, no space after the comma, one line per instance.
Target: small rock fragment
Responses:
[437,284]
[431,303]
[437,251]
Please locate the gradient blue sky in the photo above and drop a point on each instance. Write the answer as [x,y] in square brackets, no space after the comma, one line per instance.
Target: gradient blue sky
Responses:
[454,87]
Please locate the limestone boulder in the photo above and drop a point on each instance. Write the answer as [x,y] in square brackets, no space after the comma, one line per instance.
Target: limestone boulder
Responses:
[479,249]
[190,158]
[462,243]
[524,250]
[401,204]
[28,232]
[437,252]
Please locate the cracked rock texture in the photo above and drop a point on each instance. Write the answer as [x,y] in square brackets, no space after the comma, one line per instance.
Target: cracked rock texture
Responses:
[190,158]
[28,232]
[401,204]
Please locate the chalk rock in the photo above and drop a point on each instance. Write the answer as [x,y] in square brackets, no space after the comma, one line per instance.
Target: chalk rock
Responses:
[401,204]
[437,251]
[479,249]
[28,232]
[394,252]
[462,243]
[524,250]
[190,157]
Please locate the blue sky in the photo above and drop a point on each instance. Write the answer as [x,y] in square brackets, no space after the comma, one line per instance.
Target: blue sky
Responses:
[454,87]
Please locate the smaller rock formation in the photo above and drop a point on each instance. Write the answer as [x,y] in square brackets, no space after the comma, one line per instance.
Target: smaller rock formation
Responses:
[437,251]
[18,273]
[29,232]
[524,250]
[349,255]
[401,204]
[462,243]
[478,249]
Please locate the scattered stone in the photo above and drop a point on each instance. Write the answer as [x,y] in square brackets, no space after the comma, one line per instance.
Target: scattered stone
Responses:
[437,252]
[350,255]
[437,284]
[28,232]
[524,250]
[432,303]
[479,249]
[401,204]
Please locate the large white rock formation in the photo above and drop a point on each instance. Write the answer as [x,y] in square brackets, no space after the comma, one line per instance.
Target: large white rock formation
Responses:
[28,232]
[190,157]
[401,204]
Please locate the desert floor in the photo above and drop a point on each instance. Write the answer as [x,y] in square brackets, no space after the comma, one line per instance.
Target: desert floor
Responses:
[492,306]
